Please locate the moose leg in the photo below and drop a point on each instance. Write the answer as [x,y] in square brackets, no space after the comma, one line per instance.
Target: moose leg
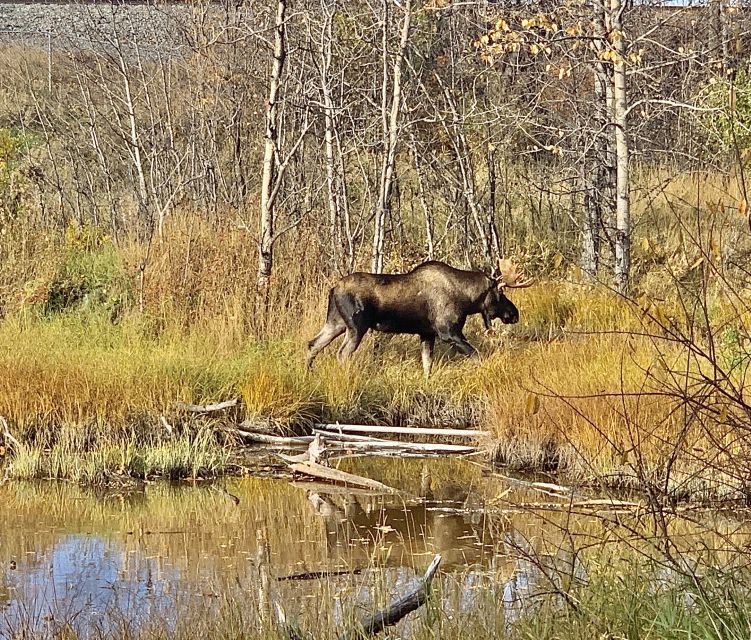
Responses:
[427,343]
[330,331]
[456,337]
[351,342]
[351,312]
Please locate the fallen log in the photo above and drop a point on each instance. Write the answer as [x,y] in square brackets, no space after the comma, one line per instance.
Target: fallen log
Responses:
[344,454]
[265,438]
[374,446]
[351,437]
[318,575]
[414,431]
[548,488]
[584,507]
[608,504]
[207,408]
[300,457]
[392,614]
[325,447]
[320,472]
[332,489]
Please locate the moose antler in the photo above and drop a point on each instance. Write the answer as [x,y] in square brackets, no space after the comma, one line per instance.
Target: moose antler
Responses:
[510,276]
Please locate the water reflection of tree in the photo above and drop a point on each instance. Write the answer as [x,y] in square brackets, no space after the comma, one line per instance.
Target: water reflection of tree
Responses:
[194,543]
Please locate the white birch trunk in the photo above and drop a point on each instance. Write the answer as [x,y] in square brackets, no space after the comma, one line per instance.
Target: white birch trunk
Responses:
[266,245]
[620,102]
[390,138]
[335,236]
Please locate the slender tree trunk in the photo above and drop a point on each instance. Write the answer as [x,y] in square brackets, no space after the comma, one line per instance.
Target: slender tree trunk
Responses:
[493,238]
[390,135]
[719,43]
[335,236]
[346,218]
[266,245]
[590,256]
[622,210]
[600,165]
[135,144]
[423,200]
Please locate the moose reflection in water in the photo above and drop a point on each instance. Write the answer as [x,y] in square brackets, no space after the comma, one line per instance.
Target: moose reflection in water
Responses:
[362,529]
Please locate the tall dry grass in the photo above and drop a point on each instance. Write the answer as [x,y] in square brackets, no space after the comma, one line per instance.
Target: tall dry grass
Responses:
[92,344]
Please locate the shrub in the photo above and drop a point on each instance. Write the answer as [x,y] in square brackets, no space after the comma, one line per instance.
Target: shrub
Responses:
[90,276]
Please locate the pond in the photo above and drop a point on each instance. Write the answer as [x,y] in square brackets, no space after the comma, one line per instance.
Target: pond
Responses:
[90,562]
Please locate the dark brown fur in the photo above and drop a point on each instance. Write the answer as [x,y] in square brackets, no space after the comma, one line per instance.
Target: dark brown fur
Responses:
[433,300]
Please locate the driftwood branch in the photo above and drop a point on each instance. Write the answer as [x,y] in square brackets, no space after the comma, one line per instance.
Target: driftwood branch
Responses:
[318,575]
[264,438]
[410,431]
[332,444]
[207,408]
[167,426]
[10,439]
[392,614]
[372,624]
[352,437]
[319,472]
[543,487]
[376,446]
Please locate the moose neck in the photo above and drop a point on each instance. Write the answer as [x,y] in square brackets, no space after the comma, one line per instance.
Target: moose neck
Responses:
[478,286]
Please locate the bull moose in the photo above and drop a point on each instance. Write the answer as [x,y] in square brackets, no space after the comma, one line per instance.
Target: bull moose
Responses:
[433,300]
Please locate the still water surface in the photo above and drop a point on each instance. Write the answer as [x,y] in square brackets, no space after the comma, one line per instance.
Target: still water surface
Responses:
[96,562]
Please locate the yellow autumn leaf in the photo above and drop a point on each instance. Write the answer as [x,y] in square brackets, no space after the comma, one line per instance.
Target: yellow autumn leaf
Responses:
[533,404]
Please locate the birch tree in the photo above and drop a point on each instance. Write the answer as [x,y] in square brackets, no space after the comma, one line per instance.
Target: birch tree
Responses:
[390,129]
[266,243]
[620,106]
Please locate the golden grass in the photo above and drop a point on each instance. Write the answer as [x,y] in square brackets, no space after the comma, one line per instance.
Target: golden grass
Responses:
[74,371]
[82,375]
[78,382]
[552,391]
